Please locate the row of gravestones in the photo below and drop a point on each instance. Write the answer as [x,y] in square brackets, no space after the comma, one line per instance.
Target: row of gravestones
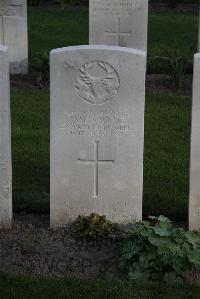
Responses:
[112,22]
[97,121]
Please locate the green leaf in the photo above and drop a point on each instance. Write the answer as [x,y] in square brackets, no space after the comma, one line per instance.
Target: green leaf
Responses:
[137,273]
[146,259]
[194,257]
[163,229]
[157,241]
[193,238]
[164,219]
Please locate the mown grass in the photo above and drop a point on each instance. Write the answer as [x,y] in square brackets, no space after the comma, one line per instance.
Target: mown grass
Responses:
[166,159]
[167,31]
[166,155]
[30,149]
[42,288]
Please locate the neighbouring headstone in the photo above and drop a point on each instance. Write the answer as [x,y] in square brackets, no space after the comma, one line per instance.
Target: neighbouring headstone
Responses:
[97,127]
[199,31]
[5,142]
[194,200]
[13,33]
[119,23]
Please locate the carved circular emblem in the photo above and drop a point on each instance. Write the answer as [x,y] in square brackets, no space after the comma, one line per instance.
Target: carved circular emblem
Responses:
[97,82]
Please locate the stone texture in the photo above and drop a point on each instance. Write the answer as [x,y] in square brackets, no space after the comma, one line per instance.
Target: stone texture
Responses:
[13,33]
[194,201]
[119,23]
[199,32]
[97,127]
[5,142]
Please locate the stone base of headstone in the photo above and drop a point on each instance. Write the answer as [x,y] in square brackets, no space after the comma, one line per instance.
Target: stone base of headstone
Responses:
[19,67]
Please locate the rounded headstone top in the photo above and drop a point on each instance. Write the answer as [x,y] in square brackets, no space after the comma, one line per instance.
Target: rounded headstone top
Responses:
[99,47]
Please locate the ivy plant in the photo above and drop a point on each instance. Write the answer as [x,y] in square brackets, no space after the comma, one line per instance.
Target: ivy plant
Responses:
[158,251]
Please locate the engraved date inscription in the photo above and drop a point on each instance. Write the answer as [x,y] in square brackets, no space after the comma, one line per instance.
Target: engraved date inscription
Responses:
[103,123]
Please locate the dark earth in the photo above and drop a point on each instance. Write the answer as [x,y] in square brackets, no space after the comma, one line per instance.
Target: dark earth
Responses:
[31,247]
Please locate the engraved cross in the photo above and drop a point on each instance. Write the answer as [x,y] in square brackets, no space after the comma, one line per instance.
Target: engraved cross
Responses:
[95,163]
[118,33]
[7,11]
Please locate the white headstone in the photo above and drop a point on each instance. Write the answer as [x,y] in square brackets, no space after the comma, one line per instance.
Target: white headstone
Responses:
[119,23]
[97,127]
[13,33]
[199,31]
[194,200]
[5,141]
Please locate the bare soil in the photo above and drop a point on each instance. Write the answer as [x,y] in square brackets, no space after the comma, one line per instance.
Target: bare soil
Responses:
[30,247]
[165,83]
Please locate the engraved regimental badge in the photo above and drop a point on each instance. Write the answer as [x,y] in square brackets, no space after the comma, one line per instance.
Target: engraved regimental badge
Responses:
[97,82]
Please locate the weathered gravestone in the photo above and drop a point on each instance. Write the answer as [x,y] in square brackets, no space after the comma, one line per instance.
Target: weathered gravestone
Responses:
[194,201]
[97,124]
[13,33]
[119,23]
[5,142]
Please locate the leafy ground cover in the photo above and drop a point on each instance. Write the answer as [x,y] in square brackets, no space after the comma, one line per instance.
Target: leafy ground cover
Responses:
[167,32]
[26,287]
[166,157]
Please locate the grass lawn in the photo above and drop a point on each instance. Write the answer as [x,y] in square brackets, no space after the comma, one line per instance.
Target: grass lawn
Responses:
[167,31]
[24,287]
[167,130]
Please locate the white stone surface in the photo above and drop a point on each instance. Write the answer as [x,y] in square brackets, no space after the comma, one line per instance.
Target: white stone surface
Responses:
[13,33]
[5,142]
[199,31]
[97,127]
[119,23]
[194,200]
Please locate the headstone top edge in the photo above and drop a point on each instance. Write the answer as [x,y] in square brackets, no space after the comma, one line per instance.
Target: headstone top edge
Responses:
[197,55]
[98,47]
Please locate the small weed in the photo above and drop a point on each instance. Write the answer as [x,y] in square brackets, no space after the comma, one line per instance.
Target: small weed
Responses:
[93,226]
